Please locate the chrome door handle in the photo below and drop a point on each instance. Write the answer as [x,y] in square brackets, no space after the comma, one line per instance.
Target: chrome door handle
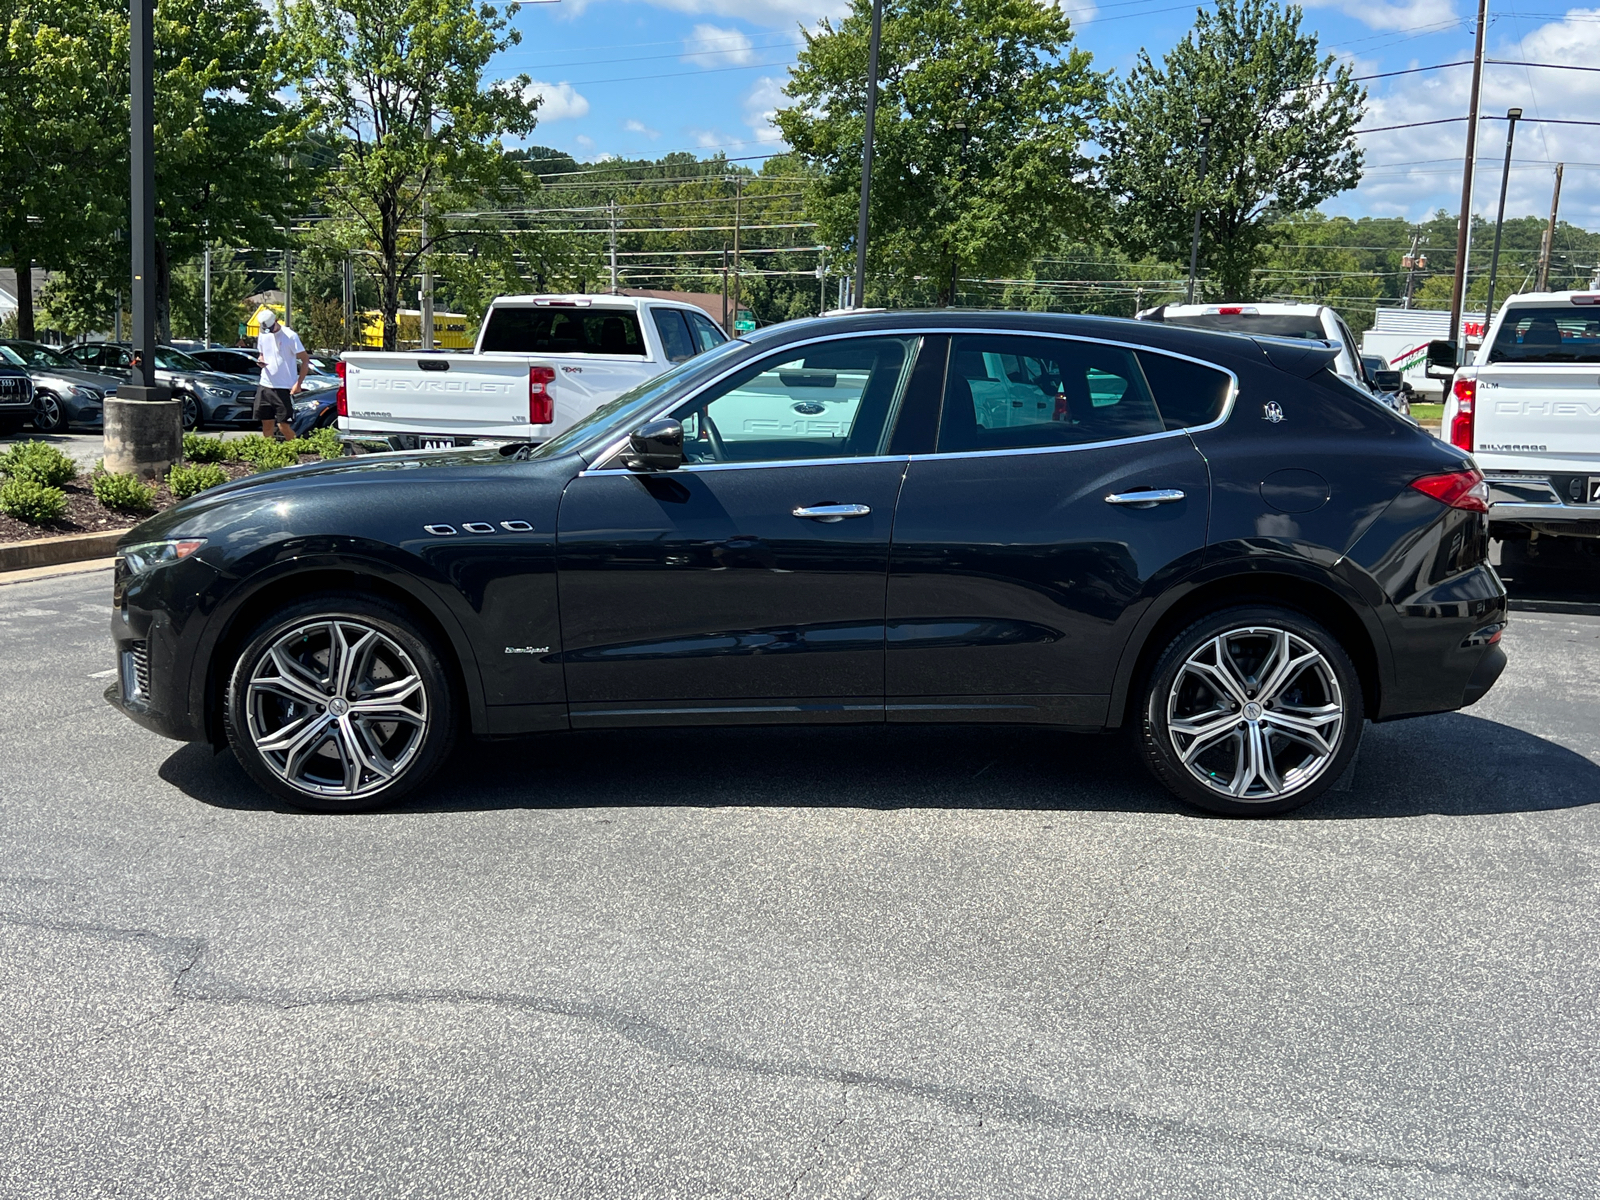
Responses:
[1147,498]
[832,512]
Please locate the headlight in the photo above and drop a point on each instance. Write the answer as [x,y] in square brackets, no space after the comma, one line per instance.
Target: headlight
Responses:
[147,556]
[83,393]
[213,393]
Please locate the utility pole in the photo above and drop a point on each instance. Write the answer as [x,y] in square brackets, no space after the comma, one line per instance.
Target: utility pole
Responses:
[1500,215]
[349,300]
[727,323]
[866,152]
[288,282]
[1548,248]
[738,220]
[1458,289]
[1413,262]
[425,298]
[206,322]
[822,280]
[955,255]
[612,205]
[1194,243]
[116,320]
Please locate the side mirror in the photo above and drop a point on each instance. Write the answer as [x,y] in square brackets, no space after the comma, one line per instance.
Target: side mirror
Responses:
[1443,355]
[1388,381]
[655,446]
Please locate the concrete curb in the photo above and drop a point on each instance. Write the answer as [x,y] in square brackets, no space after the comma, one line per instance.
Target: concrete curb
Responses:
[50,552]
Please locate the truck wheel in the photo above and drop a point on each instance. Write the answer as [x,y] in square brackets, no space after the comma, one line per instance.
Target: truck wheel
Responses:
[340,704]
[1251,711]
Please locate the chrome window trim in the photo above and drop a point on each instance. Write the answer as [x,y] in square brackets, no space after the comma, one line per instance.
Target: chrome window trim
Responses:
[941,331]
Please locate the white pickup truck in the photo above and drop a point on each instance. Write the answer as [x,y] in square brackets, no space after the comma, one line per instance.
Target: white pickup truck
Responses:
[1528,409]
[541,364]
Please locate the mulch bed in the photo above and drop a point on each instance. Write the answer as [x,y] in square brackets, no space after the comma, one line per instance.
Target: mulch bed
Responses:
[85,514]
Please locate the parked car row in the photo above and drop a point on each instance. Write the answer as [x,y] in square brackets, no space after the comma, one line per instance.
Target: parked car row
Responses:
[216,385]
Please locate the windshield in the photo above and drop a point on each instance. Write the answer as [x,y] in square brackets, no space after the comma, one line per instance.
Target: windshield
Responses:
[613,418]
[169,359]
[11,357]
[1291,325]
[1548,335]
[41,356]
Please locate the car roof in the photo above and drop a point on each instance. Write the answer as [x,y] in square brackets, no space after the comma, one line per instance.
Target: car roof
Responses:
[587,300]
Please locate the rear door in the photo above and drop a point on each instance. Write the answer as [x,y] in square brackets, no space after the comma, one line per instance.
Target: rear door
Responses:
[1059,501]
[455,395]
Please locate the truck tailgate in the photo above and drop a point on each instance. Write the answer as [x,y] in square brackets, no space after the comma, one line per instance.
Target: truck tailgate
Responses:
[450,394]
[1538,416]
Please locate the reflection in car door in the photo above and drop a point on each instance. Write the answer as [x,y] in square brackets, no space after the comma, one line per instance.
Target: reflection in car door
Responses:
[1024,549]
[747,585]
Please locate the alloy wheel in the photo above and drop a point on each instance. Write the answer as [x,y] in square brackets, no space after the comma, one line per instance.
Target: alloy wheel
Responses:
[191,413]
[1256,714]
[50,418]
[336,708]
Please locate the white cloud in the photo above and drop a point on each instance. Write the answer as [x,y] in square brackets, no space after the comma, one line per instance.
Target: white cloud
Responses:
[708,139]
[558,101]
[584,141]
[712,46]
[1081,12]
[760,103]
[633,126]
[1383,14]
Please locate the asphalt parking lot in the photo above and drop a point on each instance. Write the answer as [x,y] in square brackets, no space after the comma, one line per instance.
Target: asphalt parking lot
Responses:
[830,963]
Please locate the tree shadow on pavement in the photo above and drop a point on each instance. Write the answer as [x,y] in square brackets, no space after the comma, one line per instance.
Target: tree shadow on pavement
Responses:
[1450,765]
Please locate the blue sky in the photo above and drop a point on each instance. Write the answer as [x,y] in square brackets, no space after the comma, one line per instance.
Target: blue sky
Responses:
[642,77]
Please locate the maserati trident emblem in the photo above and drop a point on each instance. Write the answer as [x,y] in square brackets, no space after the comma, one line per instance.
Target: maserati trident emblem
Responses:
[1272,411]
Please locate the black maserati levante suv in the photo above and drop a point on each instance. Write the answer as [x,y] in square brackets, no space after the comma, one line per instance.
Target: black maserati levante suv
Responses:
[1206,539]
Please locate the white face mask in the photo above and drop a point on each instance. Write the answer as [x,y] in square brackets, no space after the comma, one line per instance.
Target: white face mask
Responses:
[269,324]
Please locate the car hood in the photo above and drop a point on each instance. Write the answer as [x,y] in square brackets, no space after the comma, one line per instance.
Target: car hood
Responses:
[249,507]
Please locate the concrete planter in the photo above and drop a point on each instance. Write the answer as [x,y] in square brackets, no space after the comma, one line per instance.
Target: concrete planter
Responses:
[143,437]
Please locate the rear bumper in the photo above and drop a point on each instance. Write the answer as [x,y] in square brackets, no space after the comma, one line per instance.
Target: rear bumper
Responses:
[1537,503]
[1445,642]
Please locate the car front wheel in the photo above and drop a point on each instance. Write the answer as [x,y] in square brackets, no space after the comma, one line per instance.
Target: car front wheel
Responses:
[340,704]
[191,412]
[1251,711]
[48,414]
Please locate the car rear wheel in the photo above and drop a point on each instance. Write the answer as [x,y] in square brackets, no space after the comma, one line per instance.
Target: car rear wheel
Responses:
[340,704]
[1251,711]
[48,414]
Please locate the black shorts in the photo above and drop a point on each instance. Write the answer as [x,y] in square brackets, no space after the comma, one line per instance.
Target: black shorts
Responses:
[274,404]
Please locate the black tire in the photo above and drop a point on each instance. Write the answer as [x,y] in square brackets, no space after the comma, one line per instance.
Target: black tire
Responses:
[49,414]
[191,412]
[339,753]
[1222,775]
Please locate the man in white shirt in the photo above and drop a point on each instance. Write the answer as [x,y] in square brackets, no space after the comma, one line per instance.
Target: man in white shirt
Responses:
[284,367]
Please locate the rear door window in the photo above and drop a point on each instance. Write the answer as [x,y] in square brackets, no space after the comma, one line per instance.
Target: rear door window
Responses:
[563,331]
[675,339]
[1007,393]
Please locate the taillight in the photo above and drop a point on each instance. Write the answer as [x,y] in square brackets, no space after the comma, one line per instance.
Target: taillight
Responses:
[341,397]
[1461,425]
[541,404]
[1459,489]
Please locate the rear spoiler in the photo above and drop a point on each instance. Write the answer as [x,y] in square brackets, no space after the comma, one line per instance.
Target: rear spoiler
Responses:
[1300,357]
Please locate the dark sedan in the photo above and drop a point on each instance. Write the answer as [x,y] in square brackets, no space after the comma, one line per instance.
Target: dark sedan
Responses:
[1077,522]
[209,397]
[65,393]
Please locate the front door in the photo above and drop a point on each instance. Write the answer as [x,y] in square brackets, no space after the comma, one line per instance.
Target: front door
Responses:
[1061,499]
[747,585]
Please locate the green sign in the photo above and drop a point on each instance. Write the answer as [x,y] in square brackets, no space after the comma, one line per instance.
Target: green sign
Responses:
[744,321]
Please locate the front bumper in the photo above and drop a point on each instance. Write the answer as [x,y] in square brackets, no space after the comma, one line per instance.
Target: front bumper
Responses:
[154,660]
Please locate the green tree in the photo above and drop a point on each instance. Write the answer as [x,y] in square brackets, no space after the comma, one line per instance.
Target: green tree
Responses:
[984,198]
[399,91]
[61,117]
[1281,139]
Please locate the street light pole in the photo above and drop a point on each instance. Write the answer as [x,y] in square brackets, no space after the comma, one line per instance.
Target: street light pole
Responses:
[143,429]
[866,151]
[1500,216]
[1194,244]
[1458,288]
[955,254]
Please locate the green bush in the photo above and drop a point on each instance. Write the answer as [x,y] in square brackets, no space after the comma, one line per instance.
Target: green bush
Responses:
[32,501]
[188,481]
[267,456]
[242,449]
[39,462]
[323,442]
[124,492]
[198,448]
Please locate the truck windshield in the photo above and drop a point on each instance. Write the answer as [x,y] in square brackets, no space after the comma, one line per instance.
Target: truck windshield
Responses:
[1291,325]
[1547,335]
[562,331]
